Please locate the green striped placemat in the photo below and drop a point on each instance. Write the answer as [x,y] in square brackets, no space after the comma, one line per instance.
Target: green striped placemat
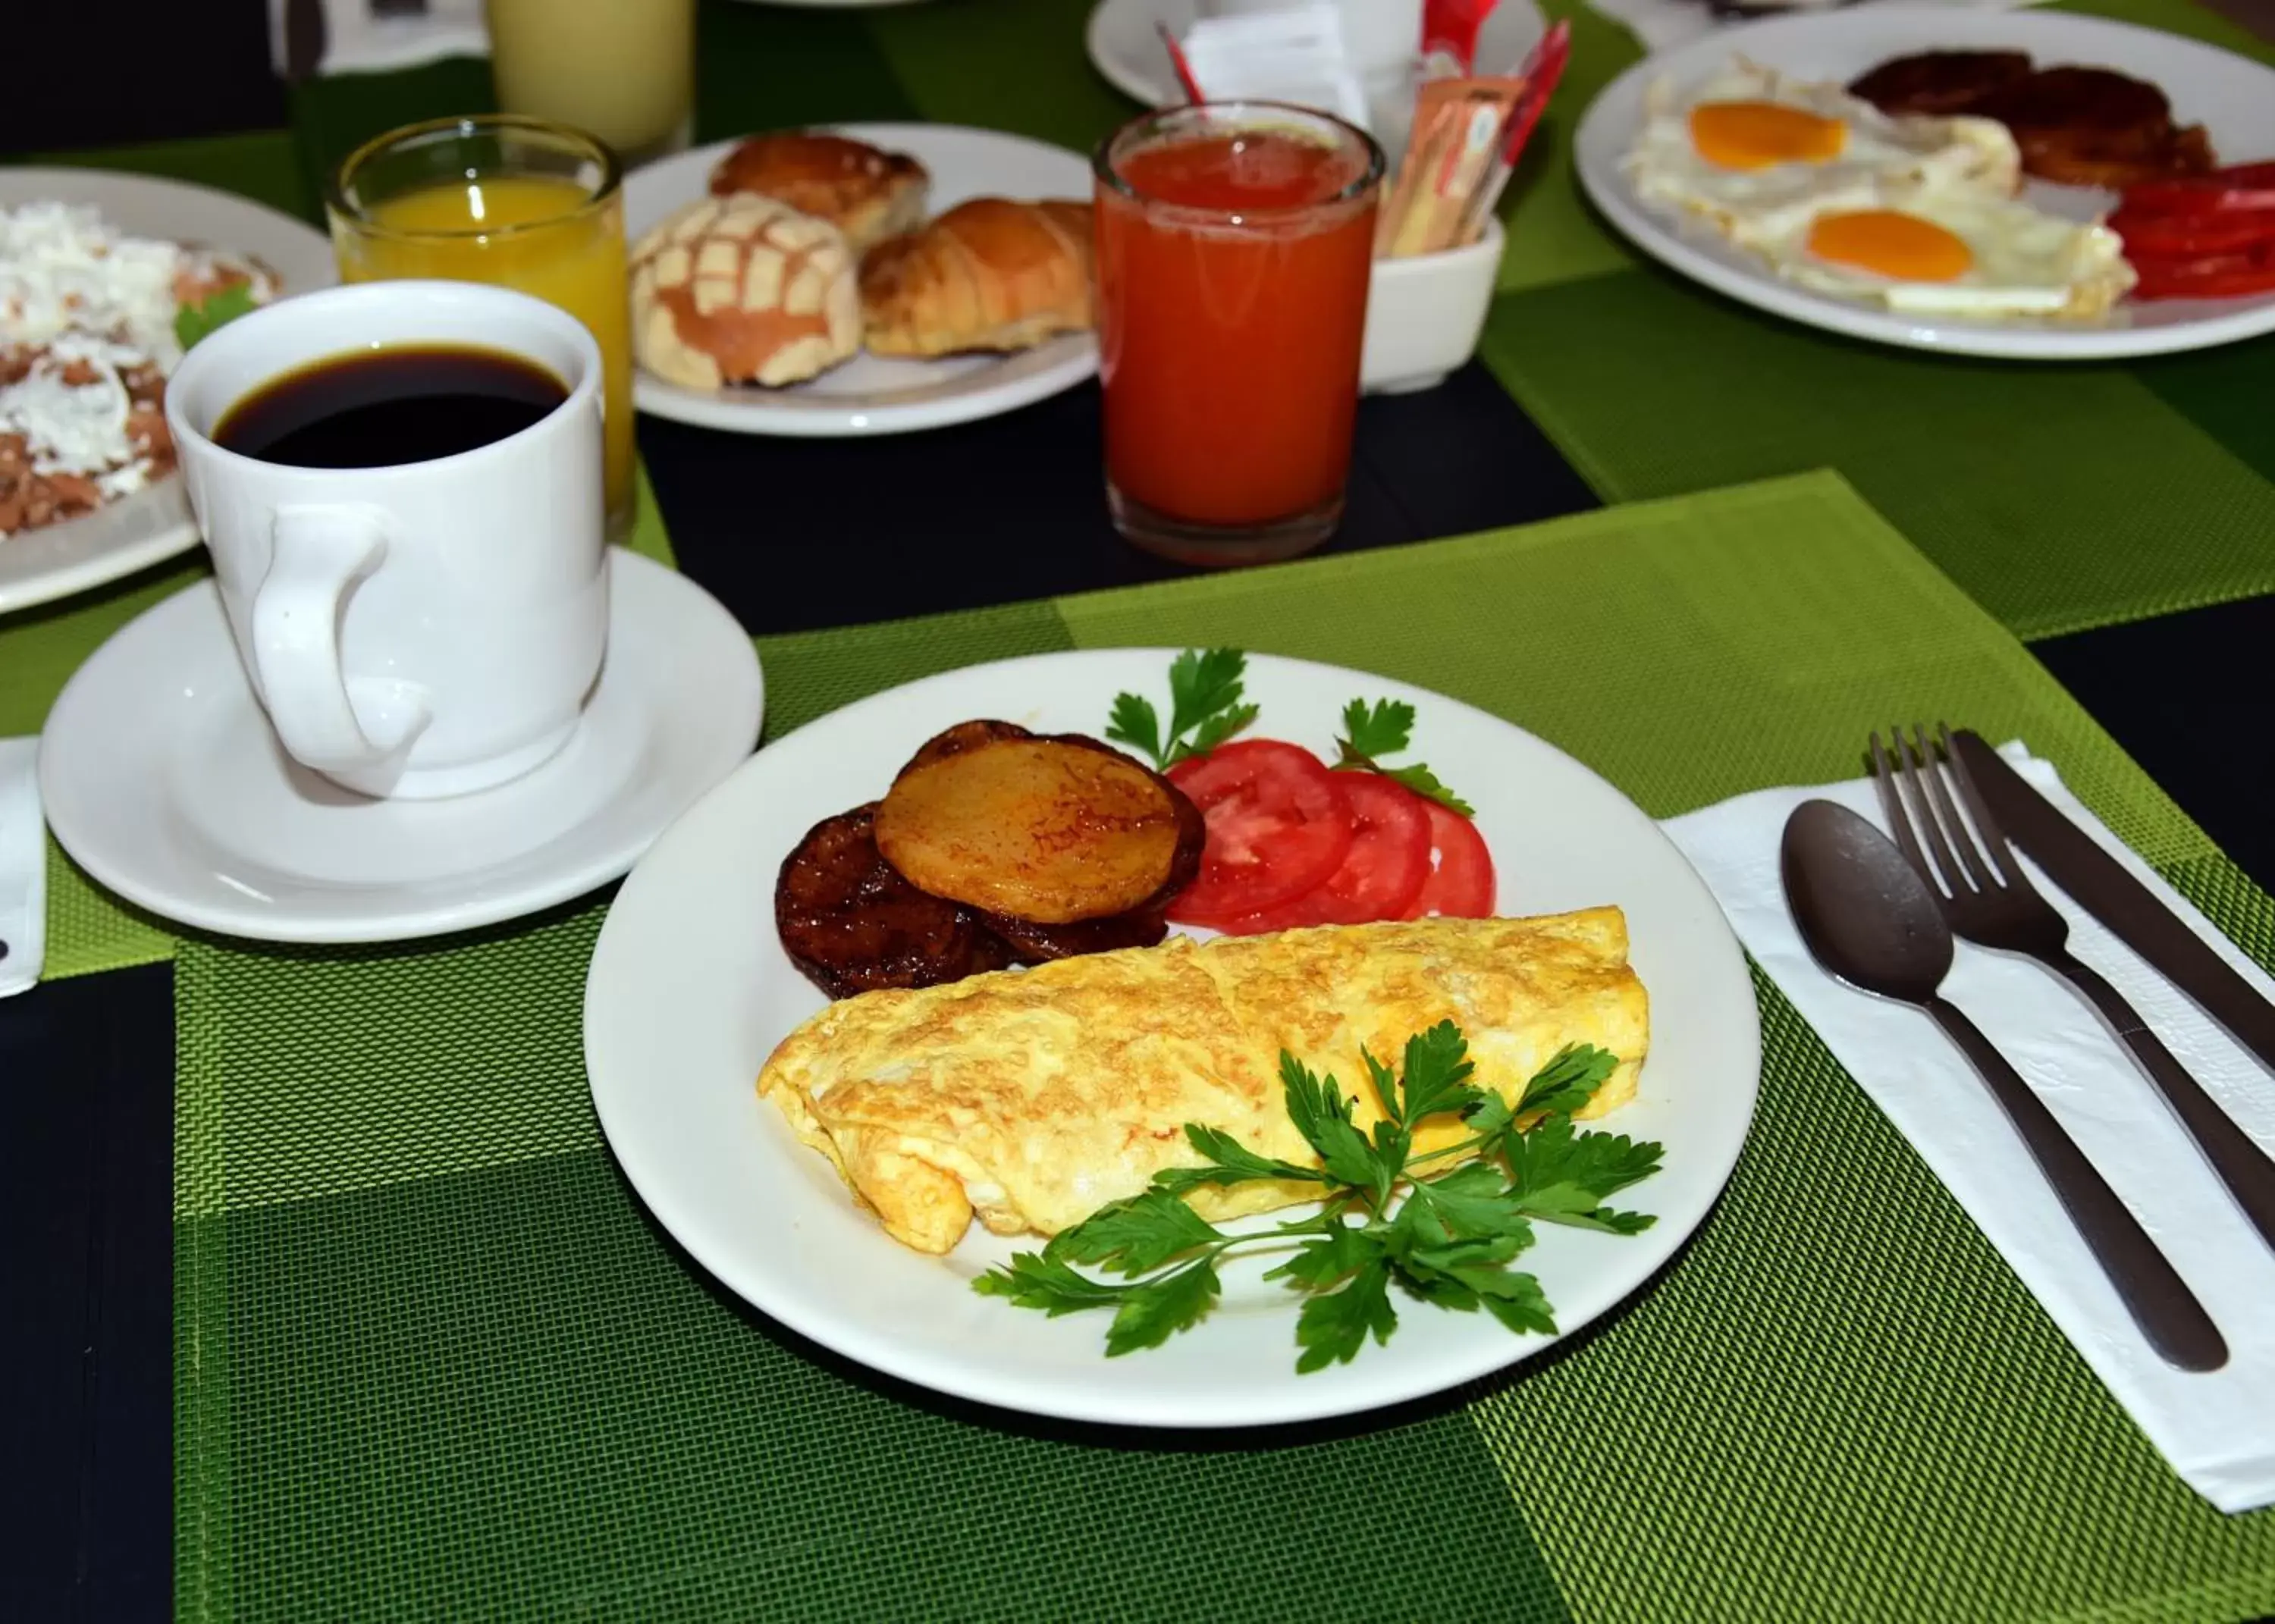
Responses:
[434,1360]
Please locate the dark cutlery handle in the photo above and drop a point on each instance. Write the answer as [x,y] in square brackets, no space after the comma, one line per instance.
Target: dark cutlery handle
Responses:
[2245,1169]
[2154,1294]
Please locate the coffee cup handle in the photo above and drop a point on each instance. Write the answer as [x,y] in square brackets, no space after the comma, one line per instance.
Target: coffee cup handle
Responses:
[321,553]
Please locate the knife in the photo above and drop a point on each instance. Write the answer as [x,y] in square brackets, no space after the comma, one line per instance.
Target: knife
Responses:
[2076,863]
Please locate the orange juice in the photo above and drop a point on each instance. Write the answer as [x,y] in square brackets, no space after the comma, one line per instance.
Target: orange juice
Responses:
[1235,247]
[557,237]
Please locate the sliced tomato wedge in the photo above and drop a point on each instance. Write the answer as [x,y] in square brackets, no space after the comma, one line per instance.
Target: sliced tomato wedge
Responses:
[2211,275]
[2240,185]
[1461,885]
[1278,825]
[1378,877]
[2193,234]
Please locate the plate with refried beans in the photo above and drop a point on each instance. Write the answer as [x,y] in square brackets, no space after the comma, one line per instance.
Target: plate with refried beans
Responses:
[105,280]
[2022,184]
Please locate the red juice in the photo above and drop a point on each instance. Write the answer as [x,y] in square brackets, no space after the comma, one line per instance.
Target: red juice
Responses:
[1233,268]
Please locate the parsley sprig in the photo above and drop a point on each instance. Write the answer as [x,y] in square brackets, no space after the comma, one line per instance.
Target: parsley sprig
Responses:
[1204,703]
[1384,728]
[217,309]
[1449,1242]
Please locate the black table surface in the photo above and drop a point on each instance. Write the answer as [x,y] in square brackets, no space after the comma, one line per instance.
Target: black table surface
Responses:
[987,513]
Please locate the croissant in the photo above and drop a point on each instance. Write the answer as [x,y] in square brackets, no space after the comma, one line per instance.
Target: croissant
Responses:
[990,274]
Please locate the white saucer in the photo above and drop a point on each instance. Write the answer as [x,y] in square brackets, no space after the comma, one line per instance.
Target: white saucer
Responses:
[163,780]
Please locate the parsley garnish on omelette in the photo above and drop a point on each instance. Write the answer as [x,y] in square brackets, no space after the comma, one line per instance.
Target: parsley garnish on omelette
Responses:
[1449,1242]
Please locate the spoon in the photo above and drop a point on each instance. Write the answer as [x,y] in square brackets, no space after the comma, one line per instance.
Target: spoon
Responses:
[1870,921]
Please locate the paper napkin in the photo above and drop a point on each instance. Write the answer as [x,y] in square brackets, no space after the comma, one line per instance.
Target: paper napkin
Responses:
[2216,1430]
[23,866]
[1297,55]
[1660,24]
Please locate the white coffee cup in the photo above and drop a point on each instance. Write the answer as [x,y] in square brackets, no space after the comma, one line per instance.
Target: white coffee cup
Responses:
[428,628]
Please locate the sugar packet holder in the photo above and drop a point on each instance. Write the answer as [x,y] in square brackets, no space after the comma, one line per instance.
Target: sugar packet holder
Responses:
[1468,134]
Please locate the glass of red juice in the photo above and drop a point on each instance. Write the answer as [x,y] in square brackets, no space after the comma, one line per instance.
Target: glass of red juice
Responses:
[1234,241]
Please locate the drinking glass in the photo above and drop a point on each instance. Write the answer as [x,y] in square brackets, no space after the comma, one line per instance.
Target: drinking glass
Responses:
[511,200]
[623,69]
[1235,244]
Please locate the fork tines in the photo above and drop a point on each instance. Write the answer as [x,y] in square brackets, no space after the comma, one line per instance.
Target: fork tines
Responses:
[1921,811]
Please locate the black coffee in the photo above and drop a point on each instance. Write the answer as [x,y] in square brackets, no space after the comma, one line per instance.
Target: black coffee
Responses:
[377,408]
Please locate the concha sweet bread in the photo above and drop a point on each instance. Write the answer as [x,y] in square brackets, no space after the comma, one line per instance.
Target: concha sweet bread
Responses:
[743,290]
[863,190]
[990,274]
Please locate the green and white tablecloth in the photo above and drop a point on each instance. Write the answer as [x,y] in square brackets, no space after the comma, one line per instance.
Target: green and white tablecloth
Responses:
[432,1360]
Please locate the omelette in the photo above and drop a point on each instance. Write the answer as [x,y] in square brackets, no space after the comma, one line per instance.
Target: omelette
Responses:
[1034,1097]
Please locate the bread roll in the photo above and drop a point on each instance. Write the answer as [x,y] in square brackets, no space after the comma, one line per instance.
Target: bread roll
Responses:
[864,191]
[988,275]
[743,290]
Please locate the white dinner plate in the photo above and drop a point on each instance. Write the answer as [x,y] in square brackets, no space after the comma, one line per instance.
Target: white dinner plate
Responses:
[1125,43]
[164,781]
[690,991]
[873,394]
[2232,97]
[153,524]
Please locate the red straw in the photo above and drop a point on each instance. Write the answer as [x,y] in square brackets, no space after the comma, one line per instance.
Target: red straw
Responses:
[1452,27]
[1541,70]
[1177,61]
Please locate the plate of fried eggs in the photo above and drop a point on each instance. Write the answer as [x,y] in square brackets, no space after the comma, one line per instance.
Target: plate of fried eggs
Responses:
[1741,161]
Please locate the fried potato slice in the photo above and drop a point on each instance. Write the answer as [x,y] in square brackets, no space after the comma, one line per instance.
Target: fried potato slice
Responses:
[1044,829]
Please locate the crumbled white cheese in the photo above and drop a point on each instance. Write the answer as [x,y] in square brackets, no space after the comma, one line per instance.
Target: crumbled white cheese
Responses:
[64,269]
[69,428]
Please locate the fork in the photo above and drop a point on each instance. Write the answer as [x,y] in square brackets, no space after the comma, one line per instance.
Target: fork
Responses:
[1997,907]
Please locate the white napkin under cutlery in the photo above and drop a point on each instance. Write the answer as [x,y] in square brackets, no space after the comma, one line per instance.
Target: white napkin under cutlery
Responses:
[23,866]
[2216,1429]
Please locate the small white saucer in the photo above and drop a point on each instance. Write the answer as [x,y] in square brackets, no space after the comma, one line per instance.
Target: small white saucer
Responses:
[164,781]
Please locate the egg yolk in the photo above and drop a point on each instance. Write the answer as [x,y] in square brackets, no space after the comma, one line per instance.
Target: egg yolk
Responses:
[1754,135]
[1898,245]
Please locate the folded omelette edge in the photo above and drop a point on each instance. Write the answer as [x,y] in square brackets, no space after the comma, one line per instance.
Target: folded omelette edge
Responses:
[1032,1097]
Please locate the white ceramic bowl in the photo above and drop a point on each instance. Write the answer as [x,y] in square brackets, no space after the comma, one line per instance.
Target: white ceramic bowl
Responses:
[1424,314]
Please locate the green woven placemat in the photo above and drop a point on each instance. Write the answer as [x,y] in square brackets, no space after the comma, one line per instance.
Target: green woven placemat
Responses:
[432,1360]
[88,928]
[2061,497]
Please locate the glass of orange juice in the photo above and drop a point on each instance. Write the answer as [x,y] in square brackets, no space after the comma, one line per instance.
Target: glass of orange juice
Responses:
[516,201]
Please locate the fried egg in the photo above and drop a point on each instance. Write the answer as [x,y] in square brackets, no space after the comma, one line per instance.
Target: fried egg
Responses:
[1755,153]
[1956,252]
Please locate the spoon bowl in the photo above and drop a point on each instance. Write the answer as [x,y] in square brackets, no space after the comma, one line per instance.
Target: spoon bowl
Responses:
[1866,918]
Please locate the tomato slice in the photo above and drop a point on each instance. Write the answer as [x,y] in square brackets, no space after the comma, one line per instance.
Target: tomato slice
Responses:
[2213,275]
[2193,234]
[1461,885]
[2241,186]
[1382,873]
[1278,825]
